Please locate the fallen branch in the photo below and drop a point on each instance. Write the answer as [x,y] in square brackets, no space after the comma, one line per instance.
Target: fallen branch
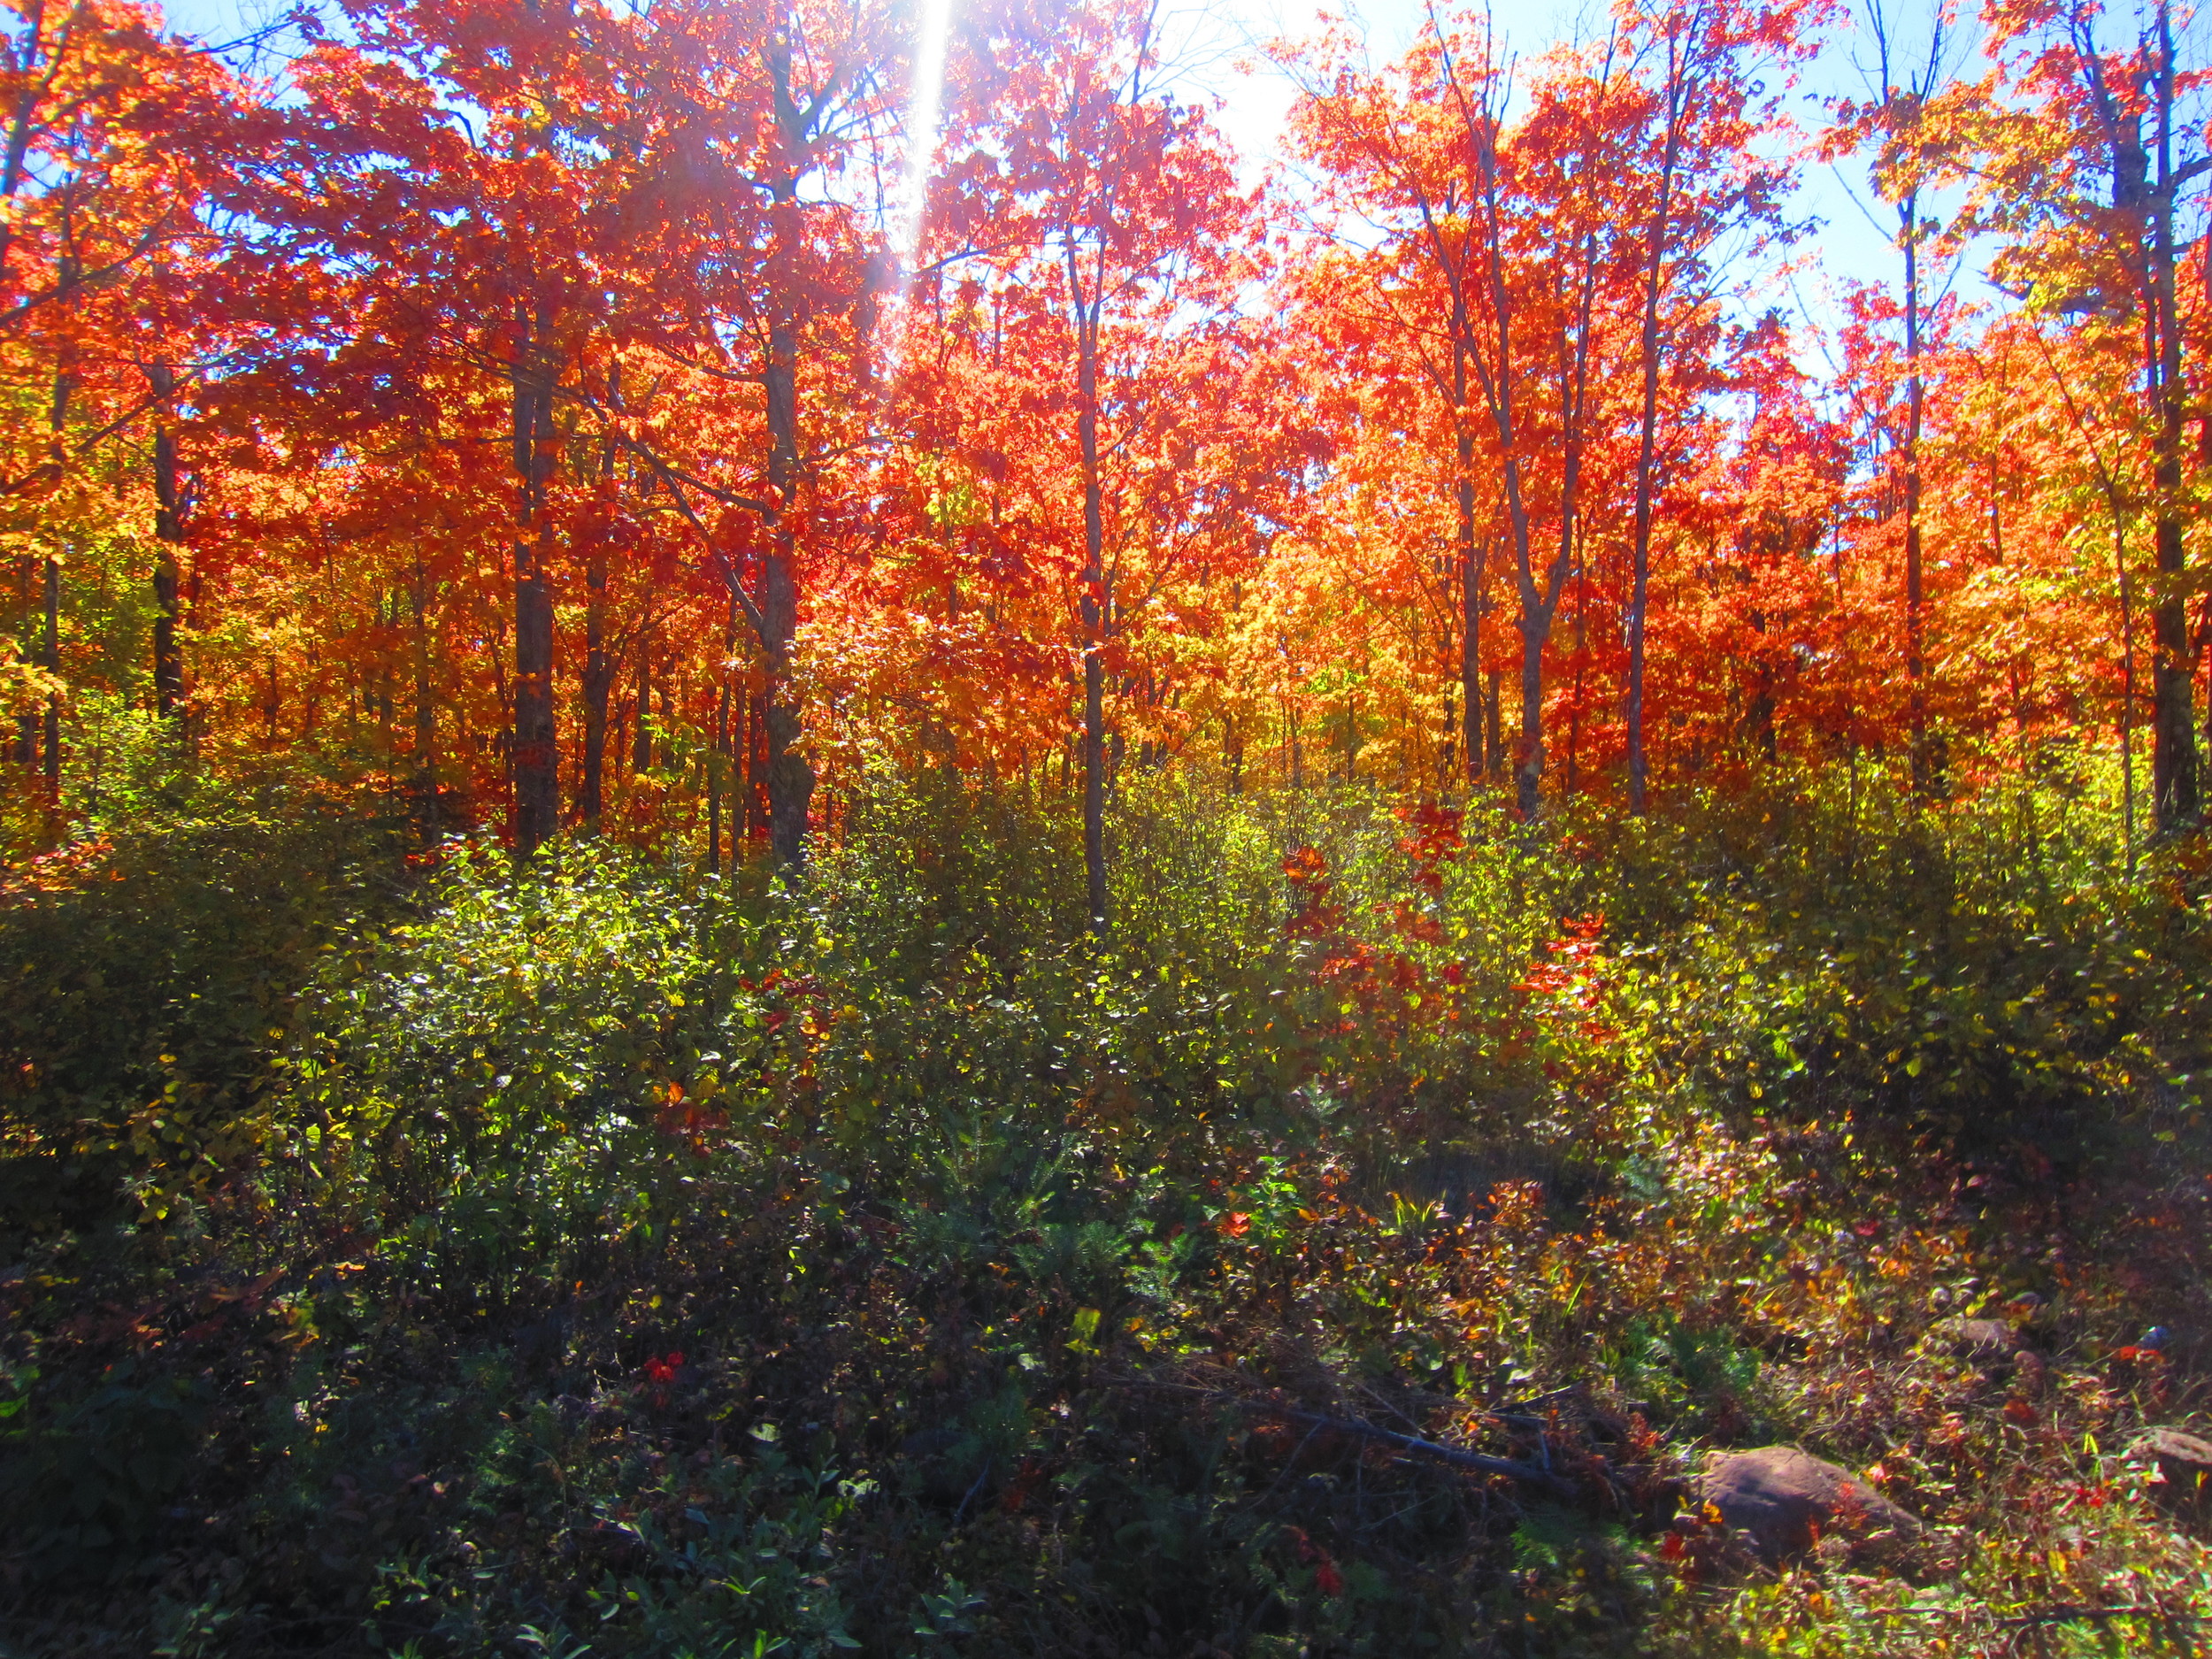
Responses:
[1535,1474]
[2072,1614]
[2068,1613]
[1481,1463]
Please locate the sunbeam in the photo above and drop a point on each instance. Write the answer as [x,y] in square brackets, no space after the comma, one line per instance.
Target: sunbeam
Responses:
[929,84]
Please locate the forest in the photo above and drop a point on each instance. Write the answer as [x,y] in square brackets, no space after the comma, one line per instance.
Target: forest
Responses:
[814,840]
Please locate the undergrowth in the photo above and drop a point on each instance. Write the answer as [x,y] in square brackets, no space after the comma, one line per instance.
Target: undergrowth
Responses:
[412,1255]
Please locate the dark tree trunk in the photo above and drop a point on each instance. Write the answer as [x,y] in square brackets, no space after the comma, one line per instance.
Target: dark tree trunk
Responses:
[641,755]
[790,779]
[57,415]
[756,767]
[169,531]
[599,672]
[1494,720]
[26,723]
[53,666]
[537,750]
[719,750]
[426,707]
[1529,793]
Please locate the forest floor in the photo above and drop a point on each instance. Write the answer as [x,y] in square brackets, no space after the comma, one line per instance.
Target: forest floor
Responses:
[1361,1251]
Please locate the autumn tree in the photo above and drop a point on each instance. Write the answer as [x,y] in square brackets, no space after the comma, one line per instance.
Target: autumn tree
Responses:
[1709,197]
[2084,150]
[111,130]
[1535,267]
[1117,246]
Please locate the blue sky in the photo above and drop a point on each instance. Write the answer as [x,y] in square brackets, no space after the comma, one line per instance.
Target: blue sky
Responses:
[1255,99]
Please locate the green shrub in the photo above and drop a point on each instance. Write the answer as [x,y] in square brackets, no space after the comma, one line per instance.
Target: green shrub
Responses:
[145,982]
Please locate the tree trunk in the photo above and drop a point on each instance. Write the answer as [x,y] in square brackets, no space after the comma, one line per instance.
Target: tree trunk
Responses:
[28,723]
[1473,760]
[169,532]
[2127,692]
[53,666]
[641,755]
[599,671]
[1096,598]
[1471,556]
[1493,720]
[1648,437]
[719,750]
[790,779]
[715,738]
[756,766]
[1529,797]
[426,707]
[1927,765]
[536,745]
[2176,797]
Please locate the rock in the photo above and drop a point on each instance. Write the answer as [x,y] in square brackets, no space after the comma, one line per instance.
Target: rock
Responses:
[1785,1499]
[2185,1466]
[1984,1341]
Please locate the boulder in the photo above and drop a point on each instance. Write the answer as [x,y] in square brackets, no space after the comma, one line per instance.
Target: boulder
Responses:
[2185,1466]
[1987,1343]
[1784,1501]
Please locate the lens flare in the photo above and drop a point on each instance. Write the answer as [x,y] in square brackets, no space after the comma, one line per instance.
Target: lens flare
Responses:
[933,24]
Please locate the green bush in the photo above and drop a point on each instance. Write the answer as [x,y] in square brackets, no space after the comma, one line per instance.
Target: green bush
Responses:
[145,981]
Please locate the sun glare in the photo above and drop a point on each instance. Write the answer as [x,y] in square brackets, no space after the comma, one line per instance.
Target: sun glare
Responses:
[931,26]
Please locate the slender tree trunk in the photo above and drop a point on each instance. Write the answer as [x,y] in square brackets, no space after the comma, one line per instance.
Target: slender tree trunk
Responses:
[386,625]
[1927,767]
[1475,761]
[1493,721]
[790,778]
[715,740]
[57,415]
[1471,559]
[1581,663]
[1529,797]
[737,758]
[2203,647]
[719,750]
[1096,600]
[169,532]
[28,723]
[599,672]
[1648,438]
[53,666]
[426,706]
[536,750]
[1497,379]
[756,766]
[642,756]
[2175,795]
[2127,692]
